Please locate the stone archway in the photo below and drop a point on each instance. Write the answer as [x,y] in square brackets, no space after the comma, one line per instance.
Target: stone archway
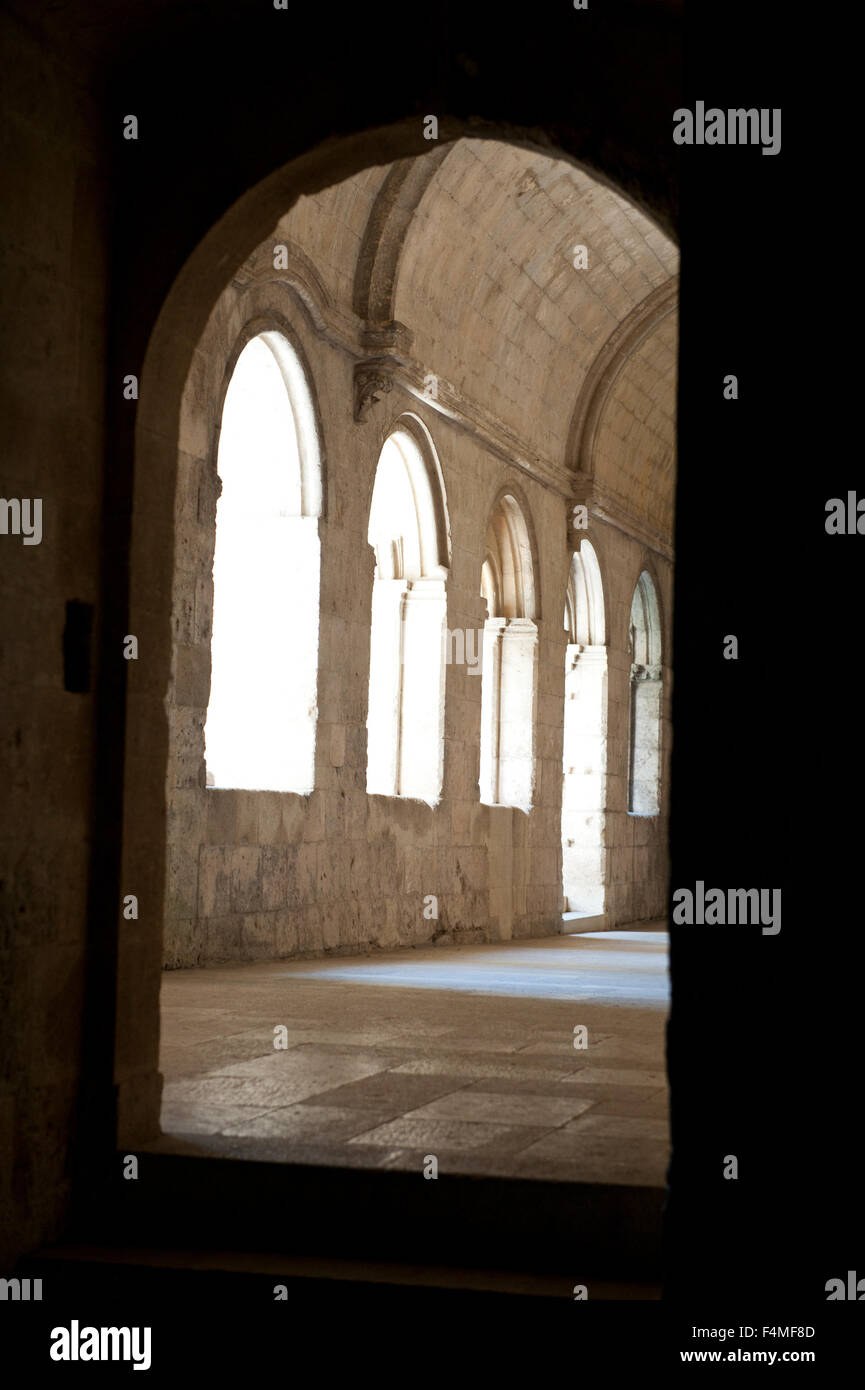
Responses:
[172,421]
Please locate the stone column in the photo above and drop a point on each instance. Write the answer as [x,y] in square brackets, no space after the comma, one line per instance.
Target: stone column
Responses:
[645,753]
[385,678]
[516,729]
[584,782]
[424,609]
[491,709]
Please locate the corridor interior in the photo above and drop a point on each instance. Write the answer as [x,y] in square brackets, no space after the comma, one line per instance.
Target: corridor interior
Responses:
[418,712]
[472,1055]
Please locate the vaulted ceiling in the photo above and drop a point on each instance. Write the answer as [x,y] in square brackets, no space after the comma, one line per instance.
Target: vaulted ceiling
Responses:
[473,249]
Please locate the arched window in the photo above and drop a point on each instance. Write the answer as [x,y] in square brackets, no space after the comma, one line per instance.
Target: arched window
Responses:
[644,775]
[260,729]
[408,532]
[509,660]
[585,736]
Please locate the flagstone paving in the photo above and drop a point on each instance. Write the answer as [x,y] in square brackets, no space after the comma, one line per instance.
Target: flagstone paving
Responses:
[463,1053]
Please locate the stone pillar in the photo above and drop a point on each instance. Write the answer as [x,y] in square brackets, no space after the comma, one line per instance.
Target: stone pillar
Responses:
[517,722]
[645,752]
[584,782]
[491,709]
[421,718]
[385,677]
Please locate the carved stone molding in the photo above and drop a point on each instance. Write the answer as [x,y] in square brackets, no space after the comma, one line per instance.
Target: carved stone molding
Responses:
[392,339]
[645,673]
[605,506]
[382,356]
[372,380]
[490,431]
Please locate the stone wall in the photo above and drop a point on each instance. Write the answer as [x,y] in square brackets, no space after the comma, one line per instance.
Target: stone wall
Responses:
[257,875]
[52,406]
[114,253]
[637,857]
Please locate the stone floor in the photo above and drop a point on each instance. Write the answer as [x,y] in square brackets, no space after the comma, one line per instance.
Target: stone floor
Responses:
[464,1053]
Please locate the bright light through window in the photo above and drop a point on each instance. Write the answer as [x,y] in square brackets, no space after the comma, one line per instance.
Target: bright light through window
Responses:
[510,661]
[260,730]
[405,721]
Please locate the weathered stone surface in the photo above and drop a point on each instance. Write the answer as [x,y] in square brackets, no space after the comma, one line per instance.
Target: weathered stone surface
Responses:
[500,876]
[388,1072]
